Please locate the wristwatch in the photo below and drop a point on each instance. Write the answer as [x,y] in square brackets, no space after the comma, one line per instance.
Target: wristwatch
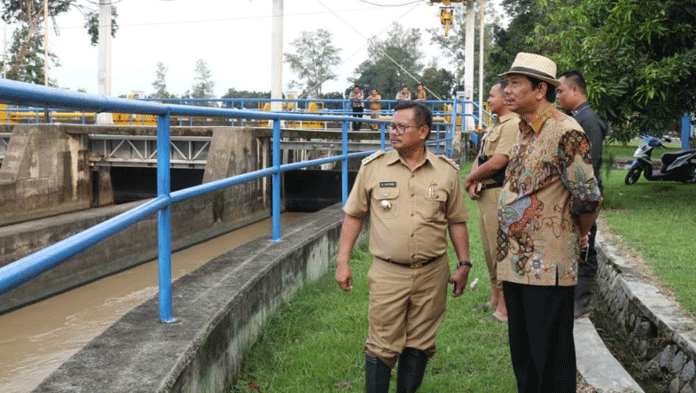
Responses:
[464,263]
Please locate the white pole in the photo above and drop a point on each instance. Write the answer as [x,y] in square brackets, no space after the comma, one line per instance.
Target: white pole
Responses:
[277,55]
[104,75]
[46,42]
[482,12]
[469,62]
[4,52]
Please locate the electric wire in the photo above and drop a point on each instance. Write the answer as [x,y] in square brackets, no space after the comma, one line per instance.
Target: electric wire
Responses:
[389,5]
[383,53]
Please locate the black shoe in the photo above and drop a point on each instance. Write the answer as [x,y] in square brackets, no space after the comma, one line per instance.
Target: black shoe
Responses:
[412,364]
[377,375]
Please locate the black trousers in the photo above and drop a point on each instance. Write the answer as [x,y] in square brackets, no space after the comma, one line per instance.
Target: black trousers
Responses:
[357,112]
[540,329]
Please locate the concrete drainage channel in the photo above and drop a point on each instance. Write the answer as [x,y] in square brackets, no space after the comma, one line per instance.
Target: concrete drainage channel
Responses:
[647,332]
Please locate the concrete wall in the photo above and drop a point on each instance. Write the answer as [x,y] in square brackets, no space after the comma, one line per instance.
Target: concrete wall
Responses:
[661,337]
[44,172]
[220,309]
[193,221]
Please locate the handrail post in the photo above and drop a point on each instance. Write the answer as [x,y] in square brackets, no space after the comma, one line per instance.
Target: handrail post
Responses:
[164,220]
[275,199]
[344,163]
[453,126]
[382,137]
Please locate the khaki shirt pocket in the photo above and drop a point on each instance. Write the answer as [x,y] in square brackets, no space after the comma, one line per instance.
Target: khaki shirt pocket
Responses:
[435,205]
[491,141]
[385,202]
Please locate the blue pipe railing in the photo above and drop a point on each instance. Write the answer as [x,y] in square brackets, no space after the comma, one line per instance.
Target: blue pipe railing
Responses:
[24,269]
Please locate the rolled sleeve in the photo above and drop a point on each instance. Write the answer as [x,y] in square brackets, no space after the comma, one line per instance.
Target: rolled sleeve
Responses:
[357,204]
[456,209]
[577,172]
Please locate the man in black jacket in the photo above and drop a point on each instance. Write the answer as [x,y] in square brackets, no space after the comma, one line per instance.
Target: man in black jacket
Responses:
[572,98]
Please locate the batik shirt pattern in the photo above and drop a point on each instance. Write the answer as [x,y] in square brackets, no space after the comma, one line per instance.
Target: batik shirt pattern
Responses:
[549,180]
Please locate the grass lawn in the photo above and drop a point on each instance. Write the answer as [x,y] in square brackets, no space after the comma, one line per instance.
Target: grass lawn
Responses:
[658,220]
[315,343]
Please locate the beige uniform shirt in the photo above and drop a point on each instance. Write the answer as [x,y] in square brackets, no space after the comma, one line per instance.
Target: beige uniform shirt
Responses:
[409,211]
[500,138]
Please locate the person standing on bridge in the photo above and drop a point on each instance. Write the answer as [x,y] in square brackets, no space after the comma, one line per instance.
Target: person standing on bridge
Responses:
[548,203]
[356,104]
[404,94]
[412,198]
[375,107]
[420,94]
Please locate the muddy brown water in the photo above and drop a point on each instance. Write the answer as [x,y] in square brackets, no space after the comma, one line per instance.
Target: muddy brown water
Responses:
[37,339]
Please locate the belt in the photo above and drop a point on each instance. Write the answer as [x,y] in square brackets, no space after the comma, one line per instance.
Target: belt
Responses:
[492,185]
[416,265]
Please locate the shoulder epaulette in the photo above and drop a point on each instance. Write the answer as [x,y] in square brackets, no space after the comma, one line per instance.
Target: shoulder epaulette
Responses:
[372,156]
[449,161]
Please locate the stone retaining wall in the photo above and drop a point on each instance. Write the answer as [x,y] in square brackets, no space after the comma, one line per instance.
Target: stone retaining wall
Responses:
[660,335]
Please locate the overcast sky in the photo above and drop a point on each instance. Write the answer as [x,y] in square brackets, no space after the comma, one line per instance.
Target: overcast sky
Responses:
[232,36]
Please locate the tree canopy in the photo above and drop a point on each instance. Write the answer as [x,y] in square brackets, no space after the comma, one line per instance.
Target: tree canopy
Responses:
[313,60]
[639,57]
[26,52]
[394,62]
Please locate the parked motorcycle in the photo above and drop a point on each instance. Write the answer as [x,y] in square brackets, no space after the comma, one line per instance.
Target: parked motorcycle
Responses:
[677,166]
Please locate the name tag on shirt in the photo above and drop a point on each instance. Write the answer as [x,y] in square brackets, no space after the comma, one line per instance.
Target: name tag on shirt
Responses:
[387,184]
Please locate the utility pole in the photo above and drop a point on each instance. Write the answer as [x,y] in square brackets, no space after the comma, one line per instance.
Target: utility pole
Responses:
[104,73]
[45,42]
[277,56]
[469,62]
[482,24]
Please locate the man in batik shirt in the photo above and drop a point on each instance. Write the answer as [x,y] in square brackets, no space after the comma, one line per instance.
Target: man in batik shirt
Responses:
[547,206]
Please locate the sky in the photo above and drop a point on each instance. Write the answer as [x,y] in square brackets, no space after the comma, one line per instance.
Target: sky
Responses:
[232,36]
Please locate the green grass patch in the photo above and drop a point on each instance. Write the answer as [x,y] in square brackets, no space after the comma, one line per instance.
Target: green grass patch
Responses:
[315,342]
[625,152]
[657,219]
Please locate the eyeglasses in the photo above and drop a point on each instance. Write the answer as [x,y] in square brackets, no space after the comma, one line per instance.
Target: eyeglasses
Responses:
[401,128]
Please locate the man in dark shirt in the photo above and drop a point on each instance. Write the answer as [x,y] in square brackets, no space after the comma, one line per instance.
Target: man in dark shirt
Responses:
[572,98]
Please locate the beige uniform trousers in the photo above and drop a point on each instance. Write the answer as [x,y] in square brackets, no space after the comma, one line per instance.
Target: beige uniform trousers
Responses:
[488,224]
[406,307]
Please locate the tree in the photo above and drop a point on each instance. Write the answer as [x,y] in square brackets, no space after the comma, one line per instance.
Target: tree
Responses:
[26,54]
[518,36]
[395,62]
[440,82]
[160,83]
[639,57]
[203,83]
[313,60]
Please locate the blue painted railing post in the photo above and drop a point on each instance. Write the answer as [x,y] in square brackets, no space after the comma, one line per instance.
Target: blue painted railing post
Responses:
[164,220]
[383,132]
[275,199]
[453,128]
[438,139]
[686,131]
[344,163]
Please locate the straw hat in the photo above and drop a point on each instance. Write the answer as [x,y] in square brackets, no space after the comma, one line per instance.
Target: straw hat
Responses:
[536,66]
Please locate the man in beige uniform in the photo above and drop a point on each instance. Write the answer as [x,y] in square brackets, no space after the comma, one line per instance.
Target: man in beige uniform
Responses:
[413,198]
[484,183]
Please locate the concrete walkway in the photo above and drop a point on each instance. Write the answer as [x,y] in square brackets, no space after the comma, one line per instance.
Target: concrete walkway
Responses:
[597,365]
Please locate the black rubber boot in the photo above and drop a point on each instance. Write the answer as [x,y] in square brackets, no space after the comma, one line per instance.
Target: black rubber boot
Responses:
[377,375]
[412,364]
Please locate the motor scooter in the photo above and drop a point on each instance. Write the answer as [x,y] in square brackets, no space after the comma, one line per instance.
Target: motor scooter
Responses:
[676,166]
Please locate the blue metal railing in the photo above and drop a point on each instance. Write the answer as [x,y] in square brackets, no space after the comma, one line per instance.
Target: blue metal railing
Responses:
[22,270]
